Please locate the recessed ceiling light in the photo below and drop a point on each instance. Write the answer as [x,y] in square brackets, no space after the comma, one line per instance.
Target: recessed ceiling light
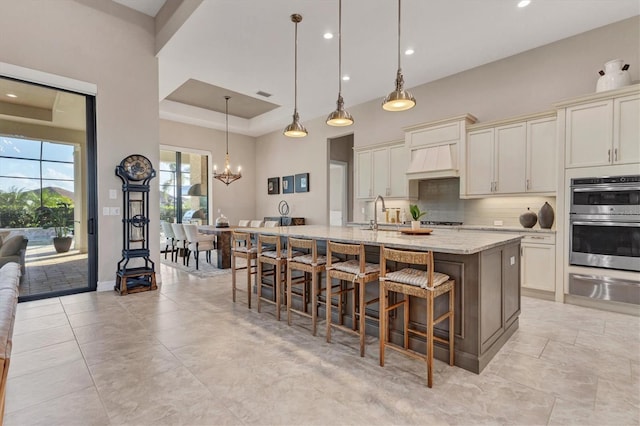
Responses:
[524,3]
[328,36]
[409,52]
[11,95]
[346,78]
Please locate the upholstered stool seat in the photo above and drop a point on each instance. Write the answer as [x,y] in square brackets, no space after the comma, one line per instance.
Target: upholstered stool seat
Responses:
[354,274]
[412,282]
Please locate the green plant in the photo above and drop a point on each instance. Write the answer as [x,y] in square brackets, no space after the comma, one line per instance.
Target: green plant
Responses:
[59,218]
[416,214]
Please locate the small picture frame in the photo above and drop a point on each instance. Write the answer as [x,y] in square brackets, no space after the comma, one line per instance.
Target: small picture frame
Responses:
[273,185]
[287,185]
[302,182]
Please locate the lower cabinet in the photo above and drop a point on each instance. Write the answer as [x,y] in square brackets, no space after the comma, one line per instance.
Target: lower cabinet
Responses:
[538,262]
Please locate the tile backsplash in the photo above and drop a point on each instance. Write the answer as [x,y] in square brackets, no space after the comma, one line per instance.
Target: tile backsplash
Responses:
[441,199]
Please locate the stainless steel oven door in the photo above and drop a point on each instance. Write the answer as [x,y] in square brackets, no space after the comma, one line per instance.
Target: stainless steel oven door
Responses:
[604,243]
[606,199]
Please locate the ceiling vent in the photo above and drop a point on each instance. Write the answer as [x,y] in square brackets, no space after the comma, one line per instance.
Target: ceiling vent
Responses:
[265,94]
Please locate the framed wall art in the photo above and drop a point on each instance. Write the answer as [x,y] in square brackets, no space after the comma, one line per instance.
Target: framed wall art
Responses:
[273,185]
[302,182]
[287,185]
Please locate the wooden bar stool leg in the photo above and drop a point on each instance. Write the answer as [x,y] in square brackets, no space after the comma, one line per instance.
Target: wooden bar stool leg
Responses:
[259,281]
[406,305]
[430,340]
[289,295]
[361,308]
[451,325]
[249,280]
[314,303]
[328,308]
[277,288]
[383,321]
[233,278]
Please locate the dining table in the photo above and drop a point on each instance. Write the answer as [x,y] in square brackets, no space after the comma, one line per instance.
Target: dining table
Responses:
[223,236]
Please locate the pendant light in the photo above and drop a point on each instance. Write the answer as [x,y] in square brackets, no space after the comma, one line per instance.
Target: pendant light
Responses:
[399,99]
[340,117]
[295,129]
[227,176]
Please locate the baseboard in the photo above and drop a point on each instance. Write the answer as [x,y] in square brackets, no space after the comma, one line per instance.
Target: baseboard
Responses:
[539,294]
[106,285]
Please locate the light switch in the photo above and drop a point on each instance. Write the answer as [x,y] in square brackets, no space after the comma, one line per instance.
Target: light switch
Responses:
[512,260]
[115,211]
[105,211]
[113,194]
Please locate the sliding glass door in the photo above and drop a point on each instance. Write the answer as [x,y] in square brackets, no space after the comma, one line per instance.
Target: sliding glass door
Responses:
[47,186]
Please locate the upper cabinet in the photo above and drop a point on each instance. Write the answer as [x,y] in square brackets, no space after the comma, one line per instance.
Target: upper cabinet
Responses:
[512,157]
[380,170]
[602,129]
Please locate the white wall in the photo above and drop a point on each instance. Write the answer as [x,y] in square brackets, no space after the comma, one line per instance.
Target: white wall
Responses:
[112,47]
[525,83]
[236,201]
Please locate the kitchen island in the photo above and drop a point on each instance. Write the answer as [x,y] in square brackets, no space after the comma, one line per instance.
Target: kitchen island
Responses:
[486,270]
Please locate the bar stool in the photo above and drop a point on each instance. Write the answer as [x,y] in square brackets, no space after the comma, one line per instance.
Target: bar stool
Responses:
[426,284]
[312,265]
[270,252]
[359,273]
[241,248]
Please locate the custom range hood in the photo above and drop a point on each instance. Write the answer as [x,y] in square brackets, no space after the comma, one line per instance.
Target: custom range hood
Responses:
[434,162]
[434,148]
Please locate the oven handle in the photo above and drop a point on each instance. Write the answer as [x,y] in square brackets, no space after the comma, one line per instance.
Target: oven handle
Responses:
[596,223]
[606,188]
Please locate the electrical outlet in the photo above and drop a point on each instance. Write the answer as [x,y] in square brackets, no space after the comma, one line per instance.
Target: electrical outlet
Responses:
[113,194]
[105,211]
[512,260]
[115,211]
[363,210]
[497,223]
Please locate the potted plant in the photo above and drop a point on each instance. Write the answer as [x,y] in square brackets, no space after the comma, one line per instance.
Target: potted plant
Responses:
[416,214]
[58,219]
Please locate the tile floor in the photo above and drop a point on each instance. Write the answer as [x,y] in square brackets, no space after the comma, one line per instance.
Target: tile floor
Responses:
[187,355]
[48,271]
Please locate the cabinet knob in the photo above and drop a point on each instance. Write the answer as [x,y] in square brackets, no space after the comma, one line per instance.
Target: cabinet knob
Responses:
[527,184]
[609,155]
[615,154]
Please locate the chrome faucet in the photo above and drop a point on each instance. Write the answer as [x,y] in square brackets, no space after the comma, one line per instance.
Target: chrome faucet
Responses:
[374,225]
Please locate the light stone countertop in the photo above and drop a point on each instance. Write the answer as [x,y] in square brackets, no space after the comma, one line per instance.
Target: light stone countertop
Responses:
[387,225]
[441,240]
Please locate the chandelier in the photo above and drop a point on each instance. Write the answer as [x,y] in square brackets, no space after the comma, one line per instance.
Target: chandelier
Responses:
[227,176]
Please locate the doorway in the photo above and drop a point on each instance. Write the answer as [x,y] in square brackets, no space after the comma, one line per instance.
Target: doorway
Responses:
[340,181]
[48,186]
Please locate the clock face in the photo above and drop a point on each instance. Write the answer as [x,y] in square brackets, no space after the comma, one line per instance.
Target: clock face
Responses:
[137,167]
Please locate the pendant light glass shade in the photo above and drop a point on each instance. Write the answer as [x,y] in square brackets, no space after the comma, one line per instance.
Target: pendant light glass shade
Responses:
[340,117]
[227,176]
[295,129]
[399,99]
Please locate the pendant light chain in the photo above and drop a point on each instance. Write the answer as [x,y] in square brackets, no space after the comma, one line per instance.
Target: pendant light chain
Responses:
[226,113]
[340,48]
[399,14]
[295,72]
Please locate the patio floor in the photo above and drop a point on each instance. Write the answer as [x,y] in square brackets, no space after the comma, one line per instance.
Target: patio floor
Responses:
[48,271]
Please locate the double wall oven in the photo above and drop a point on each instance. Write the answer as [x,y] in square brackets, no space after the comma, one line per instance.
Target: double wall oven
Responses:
[604,219]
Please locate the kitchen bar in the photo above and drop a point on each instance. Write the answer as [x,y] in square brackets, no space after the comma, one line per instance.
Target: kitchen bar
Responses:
[486,270]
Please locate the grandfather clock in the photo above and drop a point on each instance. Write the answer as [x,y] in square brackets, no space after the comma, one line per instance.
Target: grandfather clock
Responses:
[136,271]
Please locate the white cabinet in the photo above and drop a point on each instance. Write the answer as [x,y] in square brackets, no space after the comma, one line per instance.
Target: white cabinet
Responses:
[512,157]
[603,132]
[538,262]
[363,174]
[380,170]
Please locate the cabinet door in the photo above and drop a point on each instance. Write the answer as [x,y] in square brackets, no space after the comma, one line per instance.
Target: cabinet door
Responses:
[480,162]
[589,134]
[538,266]
[510,151]
[626,130]
[380,172]
[397,167]
[541,155]
[363,174]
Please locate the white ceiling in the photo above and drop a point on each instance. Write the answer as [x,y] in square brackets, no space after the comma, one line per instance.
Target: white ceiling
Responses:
[248,45]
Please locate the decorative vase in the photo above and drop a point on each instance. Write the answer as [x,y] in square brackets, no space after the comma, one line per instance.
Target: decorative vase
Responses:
[546,216]
[614,76]
[528,219]
[415,224]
